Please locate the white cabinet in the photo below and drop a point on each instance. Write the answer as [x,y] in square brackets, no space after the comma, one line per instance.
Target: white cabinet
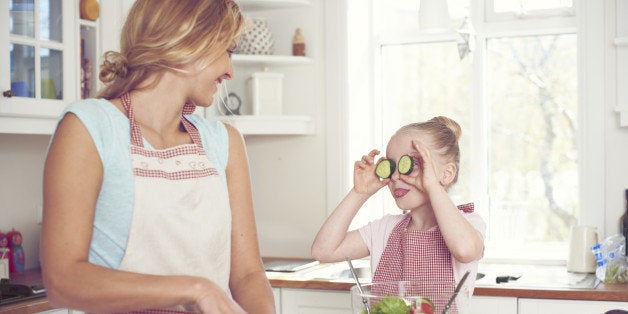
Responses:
[493,305]
[283,19]
[277,297]
[41,62]
[310,301]
[542,306]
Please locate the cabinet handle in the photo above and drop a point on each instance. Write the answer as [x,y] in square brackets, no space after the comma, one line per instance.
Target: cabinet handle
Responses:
[7,93]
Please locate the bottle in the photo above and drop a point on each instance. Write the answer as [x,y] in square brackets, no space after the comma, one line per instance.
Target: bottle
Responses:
[298,43]
[624,225]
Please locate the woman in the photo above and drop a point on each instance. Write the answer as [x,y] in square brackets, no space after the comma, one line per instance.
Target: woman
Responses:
[146,206]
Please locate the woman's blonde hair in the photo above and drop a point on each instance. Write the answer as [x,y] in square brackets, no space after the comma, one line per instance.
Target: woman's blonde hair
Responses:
[166,35]
[445,132]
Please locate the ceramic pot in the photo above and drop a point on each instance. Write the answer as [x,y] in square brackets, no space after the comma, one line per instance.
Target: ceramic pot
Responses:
[256,39]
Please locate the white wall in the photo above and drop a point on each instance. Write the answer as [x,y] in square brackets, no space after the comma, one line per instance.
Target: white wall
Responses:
[289,172]
[21,173]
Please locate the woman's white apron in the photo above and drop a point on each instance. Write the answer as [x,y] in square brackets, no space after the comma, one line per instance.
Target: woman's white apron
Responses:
[181,221]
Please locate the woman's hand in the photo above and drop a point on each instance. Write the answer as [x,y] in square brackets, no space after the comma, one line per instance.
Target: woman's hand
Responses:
[213,300]
[365,181]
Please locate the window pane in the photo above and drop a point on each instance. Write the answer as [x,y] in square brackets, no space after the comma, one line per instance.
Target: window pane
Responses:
[22,70]
[533,157]
[502,6]
[421,81]
[51,73]
[50,20]
[404,14]
[22,17]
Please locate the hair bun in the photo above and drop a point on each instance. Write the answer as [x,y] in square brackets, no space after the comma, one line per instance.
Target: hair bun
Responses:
[451,124]
[115,65]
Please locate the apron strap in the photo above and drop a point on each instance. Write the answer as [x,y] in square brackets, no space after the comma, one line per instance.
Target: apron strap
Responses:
[136,133]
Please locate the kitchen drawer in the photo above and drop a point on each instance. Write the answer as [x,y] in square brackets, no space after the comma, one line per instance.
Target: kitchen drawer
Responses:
[493,305]
[541,306]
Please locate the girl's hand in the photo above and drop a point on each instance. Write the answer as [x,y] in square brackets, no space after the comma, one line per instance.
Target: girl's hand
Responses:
[364,179]
[428,170]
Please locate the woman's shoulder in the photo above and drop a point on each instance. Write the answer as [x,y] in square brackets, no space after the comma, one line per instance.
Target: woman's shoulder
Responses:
[93,106]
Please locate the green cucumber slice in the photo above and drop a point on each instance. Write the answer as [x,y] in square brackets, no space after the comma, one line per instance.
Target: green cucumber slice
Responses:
[405,164]
[384,169]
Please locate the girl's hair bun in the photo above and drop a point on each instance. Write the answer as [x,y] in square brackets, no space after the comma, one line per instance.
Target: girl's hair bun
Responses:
[451,124]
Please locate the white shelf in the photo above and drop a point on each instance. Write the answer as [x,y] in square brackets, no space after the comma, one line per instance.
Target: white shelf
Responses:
[239,59]
[270,125]
[271,4]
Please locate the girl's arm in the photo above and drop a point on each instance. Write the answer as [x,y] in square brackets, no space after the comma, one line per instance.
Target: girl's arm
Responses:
[72,180]
[248,283]
[464,242]
[333,243]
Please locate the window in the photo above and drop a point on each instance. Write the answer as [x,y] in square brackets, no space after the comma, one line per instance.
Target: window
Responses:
[513,88]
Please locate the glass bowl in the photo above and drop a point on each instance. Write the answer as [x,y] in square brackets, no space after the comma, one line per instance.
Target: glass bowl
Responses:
[386,297]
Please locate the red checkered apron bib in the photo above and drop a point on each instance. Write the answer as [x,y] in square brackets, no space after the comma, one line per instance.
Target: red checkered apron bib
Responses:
[419,256]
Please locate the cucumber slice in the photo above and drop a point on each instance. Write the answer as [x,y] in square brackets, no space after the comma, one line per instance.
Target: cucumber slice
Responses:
[405,164]
[384,169]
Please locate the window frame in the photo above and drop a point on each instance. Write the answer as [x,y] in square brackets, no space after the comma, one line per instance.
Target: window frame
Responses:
[588,24]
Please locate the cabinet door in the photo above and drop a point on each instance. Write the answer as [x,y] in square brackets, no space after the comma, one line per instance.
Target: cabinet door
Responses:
[541,306]
[493,305]
[37,56]
[307,301]
[277,297]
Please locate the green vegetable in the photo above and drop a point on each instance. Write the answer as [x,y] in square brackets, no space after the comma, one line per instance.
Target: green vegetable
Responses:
[384,169]
[405,164]
[616,273]
[390,305]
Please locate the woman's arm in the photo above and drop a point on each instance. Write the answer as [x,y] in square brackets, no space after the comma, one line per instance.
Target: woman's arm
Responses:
[248,283]
[333,243]
[72,180]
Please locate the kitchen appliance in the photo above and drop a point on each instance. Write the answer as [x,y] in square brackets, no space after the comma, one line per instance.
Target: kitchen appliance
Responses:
[11,293]
[289,265]
[581,258]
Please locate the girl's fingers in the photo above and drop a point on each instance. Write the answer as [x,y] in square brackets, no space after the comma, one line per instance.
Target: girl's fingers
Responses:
[374,153]
[368,159]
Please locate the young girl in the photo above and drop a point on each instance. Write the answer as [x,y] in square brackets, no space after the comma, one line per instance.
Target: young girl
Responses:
[433,240]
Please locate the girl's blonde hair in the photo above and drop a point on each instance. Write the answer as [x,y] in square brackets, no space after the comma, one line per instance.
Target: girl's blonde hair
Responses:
[445,132]
[166,35]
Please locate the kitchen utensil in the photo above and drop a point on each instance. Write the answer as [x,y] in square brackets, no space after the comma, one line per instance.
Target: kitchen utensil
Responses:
[581,259]
[357,281]
[453,296]
[506,278]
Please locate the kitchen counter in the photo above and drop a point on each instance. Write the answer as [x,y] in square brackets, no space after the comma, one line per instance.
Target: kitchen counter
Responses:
[541,282]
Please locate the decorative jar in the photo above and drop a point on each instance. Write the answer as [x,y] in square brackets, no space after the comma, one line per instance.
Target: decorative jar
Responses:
[256,39]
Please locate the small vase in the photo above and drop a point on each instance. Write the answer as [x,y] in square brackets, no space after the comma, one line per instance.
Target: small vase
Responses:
[256,39]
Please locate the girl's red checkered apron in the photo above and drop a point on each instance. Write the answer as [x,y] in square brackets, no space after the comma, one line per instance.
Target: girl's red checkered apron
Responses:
[417,256]
[181,217]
